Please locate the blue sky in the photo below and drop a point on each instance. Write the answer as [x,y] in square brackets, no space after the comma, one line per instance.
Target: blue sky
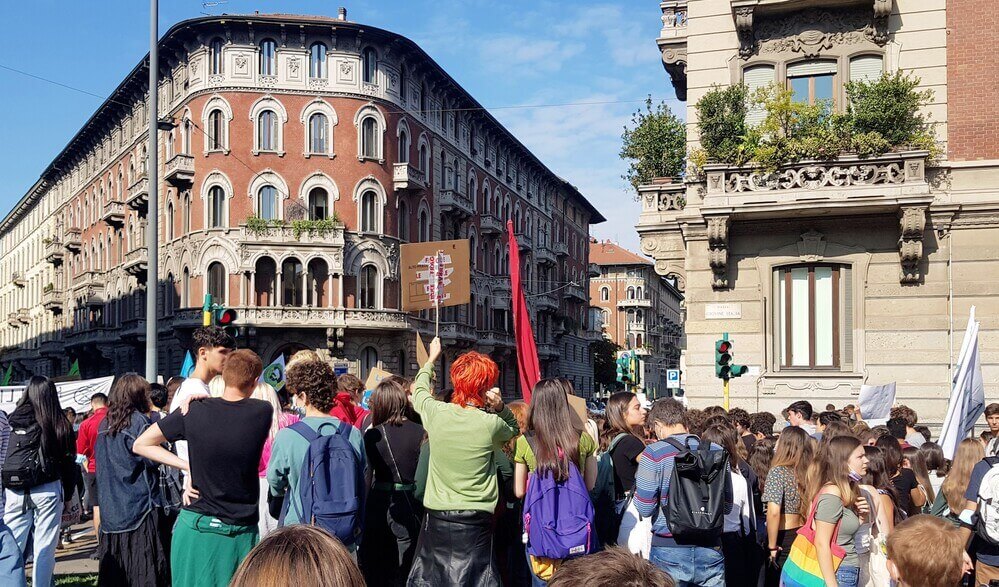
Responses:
[505,54]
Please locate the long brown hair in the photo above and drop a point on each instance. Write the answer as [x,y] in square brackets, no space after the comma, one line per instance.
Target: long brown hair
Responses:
[554,430]
[877,477]
[389,402]
[725,437]
[794,451]
[760,457]
[918,465]
[968,453]
[298,555]
[130,393]
[832,468]
[616,422]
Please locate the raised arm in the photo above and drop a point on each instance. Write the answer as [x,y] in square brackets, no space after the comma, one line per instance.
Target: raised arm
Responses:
[148,445]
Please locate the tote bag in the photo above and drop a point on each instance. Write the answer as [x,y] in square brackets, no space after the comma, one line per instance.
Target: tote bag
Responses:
[802,566]
[874,570]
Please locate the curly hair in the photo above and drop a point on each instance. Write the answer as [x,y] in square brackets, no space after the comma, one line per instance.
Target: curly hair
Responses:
[472,375]
[315,379]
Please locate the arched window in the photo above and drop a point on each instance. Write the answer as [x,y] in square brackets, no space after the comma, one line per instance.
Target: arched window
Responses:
[317,61]
[318,141]
[268,57]
[404,87]
[216,131]
[185,288]
[292,293]
[169,222]
[369,360]
[317,279]
[188,131]
[403,146]
[424,101]
[369,65]
[424,226]
[318,204]
[404,221]
[454,174]
[604,294]
[187,212]
[267,206]
[369,211]
[638,293]
[267,131]
[472,251]
[216,282]
[369,138]
[216,207]
[264,275]
[367,288]
[215,56]
[423,158]
[631,293]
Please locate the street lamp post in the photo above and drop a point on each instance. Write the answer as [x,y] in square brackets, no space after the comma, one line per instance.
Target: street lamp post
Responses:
[152,214]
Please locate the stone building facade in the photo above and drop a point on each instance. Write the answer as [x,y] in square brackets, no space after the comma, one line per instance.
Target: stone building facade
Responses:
[303,152]
[845,271]
[639,310]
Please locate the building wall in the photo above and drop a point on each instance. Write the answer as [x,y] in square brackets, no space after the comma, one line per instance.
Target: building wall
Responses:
[971,75]
[104,304]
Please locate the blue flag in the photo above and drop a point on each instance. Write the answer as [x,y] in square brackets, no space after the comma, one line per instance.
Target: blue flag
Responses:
[188,367]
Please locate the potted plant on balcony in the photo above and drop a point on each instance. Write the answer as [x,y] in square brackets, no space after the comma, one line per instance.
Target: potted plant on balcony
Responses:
[654,145]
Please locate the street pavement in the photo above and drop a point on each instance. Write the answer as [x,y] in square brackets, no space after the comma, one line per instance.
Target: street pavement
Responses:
[74,558]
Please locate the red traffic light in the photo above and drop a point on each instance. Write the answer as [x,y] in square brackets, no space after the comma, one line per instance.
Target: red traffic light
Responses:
[724,346]
[226,317]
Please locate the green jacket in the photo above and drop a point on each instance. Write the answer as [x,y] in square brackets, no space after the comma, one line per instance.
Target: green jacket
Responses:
[461,474]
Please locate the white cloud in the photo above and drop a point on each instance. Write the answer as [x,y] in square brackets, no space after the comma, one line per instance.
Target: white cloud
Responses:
[528,55]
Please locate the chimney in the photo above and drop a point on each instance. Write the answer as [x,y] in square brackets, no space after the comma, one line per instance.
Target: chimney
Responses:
[341,13]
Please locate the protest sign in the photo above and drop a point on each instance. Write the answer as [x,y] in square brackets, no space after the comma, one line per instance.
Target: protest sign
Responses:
[435,274]
[375,377]
[876,401]
[72,394]
[422,356]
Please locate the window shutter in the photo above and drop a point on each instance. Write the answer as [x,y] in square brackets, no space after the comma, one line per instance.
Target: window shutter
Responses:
[846,360]
[811,68]
[756,77]
[866,68]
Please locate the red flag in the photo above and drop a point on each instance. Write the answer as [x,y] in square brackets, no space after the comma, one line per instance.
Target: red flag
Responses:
[528,367]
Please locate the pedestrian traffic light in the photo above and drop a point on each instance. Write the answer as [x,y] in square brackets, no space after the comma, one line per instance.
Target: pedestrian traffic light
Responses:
[724,368]
[225,319]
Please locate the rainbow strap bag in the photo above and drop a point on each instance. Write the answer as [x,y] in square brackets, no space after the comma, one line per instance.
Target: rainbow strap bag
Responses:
[802,566]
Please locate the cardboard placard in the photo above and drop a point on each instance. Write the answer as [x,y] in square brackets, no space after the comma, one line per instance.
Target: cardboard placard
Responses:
[417,263]
[375,377]
[578,406]
[422,356]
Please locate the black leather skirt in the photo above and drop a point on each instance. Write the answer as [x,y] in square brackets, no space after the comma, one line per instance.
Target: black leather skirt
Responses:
[455,549]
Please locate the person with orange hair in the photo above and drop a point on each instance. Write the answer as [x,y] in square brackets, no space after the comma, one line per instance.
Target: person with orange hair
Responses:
[455,544]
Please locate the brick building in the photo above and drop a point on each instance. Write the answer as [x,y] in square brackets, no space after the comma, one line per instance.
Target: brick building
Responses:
[826,279]
[304,151]
[639,310]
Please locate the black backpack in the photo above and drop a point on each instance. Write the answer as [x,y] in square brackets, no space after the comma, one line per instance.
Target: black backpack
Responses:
[695,507]
[25,465]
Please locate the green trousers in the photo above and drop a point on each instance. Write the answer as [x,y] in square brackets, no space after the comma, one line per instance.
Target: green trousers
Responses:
[205,551]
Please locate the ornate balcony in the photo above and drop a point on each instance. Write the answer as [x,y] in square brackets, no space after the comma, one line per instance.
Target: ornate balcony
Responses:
[12,320]
[544,255]
[524,241]
[592,335]
[179,170]
[547,351]
[560,249]
[138,194]
[634,303]
[276,240]
[51,348]
[672,43]
[72,240]
[374,319]
[407,177]
[489,224]
[545,303]
[133,330]
[114,213]
[593,270]
[576,292]
[454,333]
[454,202]
[52,300]
[137,263]
[495,339]
[53,251]
[23,316]
[17,278]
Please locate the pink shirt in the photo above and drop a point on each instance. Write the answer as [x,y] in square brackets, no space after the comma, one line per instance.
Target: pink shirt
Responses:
[284,420]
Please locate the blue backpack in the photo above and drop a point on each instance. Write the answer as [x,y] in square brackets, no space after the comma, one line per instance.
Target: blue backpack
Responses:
[331,483]
[558,517]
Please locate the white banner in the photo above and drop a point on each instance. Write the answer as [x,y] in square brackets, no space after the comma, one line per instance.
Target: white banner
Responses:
[72,394]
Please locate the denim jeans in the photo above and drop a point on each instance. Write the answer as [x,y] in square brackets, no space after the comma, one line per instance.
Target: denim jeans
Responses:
[691,566]
[11,561]
[39,508]
[848,576]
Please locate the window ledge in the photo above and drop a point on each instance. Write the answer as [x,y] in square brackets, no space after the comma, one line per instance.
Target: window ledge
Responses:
[222,151]
[260,152]
[813,374]
[309,155]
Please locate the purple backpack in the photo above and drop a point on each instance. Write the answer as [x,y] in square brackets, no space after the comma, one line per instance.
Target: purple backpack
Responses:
[558,517]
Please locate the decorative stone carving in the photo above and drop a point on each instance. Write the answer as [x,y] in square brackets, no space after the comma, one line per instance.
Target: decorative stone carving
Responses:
[293,67]
[346,68]
[912,222]
[812,247]
[811,177]
[392,259]
[319,83]
[810,32]
[675,64]
[718,251]
[268,81]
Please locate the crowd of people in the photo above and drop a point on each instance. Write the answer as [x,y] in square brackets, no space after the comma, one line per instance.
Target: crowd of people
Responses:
[237,484]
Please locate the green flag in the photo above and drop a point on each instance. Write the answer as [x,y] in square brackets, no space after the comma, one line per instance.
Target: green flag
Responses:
[8,375]
[74,369]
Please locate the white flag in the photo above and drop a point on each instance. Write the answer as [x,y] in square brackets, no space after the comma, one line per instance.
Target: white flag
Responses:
[967,397]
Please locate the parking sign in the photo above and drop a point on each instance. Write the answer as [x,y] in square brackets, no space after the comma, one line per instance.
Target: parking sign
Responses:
[672,379]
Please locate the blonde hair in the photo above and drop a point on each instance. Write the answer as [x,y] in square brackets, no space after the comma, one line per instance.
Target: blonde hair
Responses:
[216,387]
[298,555]
[967,455]
[831,467]
[305,355]
[264,391]
[907,550]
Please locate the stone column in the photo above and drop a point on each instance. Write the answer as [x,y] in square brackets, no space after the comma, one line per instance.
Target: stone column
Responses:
[278,290]
[251,299]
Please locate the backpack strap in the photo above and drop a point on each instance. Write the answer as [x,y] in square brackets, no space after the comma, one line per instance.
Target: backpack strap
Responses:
[681,448]
[342,430]
[306,431]
[529,437]
[621,436]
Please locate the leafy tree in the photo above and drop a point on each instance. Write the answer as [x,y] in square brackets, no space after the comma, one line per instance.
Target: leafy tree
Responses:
[655,144]
[605,363]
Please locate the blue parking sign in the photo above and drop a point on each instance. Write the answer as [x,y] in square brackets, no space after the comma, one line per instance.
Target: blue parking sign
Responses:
[672,379]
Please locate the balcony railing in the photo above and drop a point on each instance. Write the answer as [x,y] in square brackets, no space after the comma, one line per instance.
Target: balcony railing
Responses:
[489,224]
[137,262]
[576,292]
[544,255]
[114,213]
[495,338]
[179,170]
[524,241]
[53,251]
[17,278]
[454,202]
[51,348]
[72,240]
[455,333]
[672,43]
[634,303]
[593,270]
[138,194]
[288,235]
[560,249]
[547,351]
[546,303]
[52,300]
[23,316]
[12,320]
[407,177]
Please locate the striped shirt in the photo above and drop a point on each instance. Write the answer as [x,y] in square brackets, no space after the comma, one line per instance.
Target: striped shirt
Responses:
[655,466]
[4,439]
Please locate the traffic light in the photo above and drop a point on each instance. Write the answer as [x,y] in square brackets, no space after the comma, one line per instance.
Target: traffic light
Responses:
[724,368]
[624,374]
[206,311]
[226,320]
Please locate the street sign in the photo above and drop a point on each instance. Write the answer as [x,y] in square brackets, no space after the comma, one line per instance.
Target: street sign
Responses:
[672,379]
